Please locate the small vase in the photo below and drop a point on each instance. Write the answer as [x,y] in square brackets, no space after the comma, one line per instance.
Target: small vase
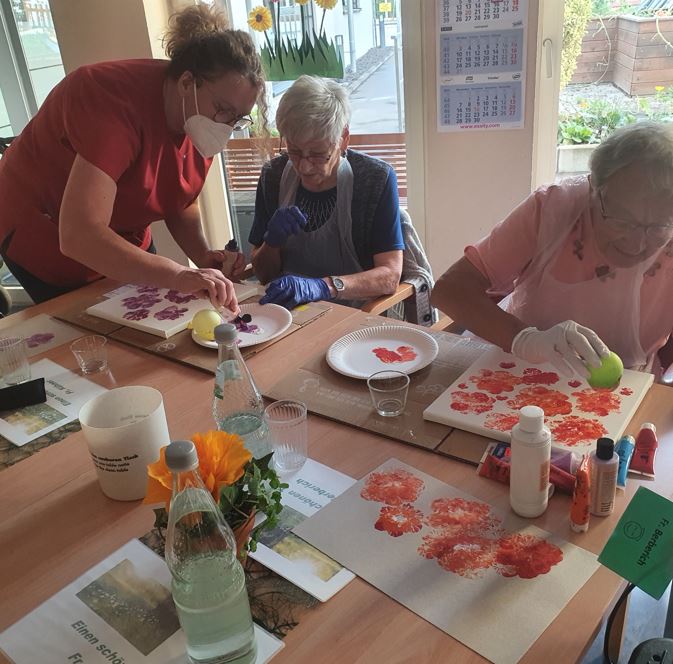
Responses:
[242,533]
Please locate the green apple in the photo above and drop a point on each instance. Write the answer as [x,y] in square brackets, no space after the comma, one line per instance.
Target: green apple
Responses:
[608,374]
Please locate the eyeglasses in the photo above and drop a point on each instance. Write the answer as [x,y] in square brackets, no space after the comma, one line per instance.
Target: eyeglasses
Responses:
[660,232]
[296,156]
[225,114]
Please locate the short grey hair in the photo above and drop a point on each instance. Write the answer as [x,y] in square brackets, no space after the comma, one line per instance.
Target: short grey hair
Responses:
[647,144]
[313,109]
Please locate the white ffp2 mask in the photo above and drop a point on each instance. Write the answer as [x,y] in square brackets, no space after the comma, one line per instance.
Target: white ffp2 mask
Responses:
[209,137]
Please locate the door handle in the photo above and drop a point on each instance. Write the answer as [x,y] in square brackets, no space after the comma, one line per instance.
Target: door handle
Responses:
[549,53]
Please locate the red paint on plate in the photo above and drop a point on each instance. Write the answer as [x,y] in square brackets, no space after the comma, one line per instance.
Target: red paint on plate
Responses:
[401,354]
[471,402]
[597,402]
[573,430]
[552,402]
[397,520]
[392,487]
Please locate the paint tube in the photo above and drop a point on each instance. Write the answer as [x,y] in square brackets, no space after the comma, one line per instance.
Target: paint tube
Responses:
[624,449]
[579,511]
[494,465]
[646,448]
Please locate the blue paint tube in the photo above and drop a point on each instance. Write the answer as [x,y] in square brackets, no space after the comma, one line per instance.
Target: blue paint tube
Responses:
[624,449]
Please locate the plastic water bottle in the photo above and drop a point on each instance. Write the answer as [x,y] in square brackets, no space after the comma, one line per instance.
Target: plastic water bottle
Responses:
[237,404]
[529,465]
[208,580]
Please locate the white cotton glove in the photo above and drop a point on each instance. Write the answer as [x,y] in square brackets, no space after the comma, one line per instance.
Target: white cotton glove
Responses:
[568,346]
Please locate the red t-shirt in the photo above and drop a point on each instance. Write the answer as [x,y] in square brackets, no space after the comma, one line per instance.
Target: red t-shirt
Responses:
[112,114]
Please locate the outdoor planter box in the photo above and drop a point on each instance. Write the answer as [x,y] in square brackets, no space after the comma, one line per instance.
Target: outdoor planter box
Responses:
[573,158]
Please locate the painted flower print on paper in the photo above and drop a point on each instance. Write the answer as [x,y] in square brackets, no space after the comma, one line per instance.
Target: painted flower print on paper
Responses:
[137,314]
[39,339]
[573,430]
[144,301]
[170,313]
[180,298]
[471,402]
[526,556]
[393,487]
[598,402]
[397,520]
[147,289]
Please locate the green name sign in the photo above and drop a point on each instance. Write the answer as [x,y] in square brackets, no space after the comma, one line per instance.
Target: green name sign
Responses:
[640,548]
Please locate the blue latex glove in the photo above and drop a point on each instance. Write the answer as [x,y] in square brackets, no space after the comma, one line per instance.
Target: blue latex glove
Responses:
[285,222]
[291,291]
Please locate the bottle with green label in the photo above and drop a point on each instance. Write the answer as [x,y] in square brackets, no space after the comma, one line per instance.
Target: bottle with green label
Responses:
[208,580]
[237,403]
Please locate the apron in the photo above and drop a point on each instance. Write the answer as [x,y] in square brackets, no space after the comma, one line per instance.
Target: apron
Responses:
[611,309]
[329,250]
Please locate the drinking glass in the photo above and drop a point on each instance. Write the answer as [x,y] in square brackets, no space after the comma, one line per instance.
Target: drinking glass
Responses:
[90,353]
[14,365]
[388,390]
[288,432]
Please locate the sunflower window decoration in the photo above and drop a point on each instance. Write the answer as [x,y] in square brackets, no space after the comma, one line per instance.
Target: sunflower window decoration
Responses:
[284,60]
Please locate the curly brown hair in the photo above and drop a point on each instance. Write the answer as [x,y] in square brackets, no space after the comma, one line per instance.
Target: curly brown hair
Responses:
[200,41]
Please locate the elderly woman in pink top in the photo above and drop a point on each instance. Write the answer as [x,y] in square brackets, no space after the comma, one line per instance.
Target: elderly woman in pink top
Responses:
[580,266]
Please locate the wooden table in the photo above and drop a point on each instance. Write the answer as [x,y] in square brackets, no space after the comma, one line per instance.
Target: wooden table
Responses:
[55,523]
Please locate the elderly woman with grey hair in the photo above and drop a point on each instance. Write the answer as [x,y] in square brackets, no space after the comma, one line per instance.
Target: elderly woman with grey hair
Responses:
[327,218]
[581,266]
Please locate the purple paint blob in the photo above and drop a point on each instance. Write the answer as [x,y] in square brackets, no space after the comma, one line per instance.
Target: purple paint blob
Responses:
[138,314]
[170,313]
[38,339]
[179,298]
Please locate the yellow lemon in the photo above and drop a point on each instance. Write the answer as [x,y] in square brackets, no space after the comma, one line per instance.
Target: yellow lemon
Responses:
[204,323]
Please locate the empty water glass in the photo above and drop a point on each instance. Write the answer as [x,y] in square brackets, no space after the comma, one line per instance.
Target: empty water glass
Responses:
[90,353]
[14,365]
[388,390]
[288,432]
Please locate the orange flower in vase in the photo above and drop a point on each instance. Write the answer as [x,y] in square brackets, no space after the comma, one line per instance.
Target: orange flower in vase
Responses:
[240,485]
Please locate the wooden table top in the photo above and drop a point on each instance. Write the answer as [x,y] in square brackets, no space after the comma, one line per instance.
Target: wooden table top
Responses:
[55,523]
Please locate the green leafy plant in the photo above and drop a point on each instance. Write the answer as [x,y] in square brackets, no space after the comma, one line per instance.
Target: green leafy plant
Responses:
[592,121]
[575,18]
[257,492]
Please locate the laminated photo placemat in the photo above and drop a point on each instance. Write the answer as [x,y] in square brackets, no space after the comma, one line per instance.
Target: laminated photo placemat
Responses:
[335,396]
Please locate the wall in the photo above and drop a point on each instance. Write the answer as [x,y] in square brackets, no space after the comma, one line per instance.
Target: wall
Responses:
[473,179]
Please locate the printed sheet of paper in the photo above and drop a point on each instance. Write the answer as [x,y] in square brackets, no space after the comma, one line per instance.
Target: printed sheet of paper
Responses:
[486,399]
[158,311]
[639,548]
[286,554]
[481,56]
[42,333]
[66,391]
[469,569]
[123,606]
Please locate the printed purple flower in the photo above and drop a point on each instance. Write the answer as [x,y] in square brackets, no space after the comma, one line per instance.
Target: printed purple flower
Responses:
[147,289]
[179,298]
[38,339]
[138,314]
[170,313]
[144,301]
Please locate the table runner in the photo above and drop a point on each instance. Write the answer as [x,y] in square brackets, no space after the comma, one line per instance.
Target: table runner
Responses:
[330,394]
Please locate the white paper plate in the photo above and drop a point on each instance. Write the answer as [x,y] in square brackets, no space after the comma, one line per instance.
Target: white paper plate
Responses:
[272,320]
[395,347]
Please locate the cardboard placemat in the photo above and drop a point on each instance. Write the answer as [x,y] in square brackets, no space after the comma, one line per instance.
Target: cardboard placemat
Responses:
[330,394]
[77,316]
[182,348]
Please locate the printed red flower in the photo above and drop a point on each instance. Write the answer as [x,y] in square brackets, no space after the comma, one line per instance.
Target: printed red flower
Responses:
[573,430]
[574,383]
[598,402]
[460,553]
[552,402]
[495,382]
[626,391]
[526,556]
[533,376]
[471,402]
[501,421]
[458,514]
[397,520]
[393,487]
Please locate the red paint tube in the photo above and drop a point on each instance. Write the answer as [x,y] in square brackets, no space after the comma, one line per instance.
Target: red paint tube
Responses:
[494,465]
[642,461]
[579,511]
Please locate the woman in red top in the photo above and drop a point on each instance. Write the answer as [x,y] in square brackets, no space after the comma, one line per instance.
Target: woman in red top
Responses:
[118,145]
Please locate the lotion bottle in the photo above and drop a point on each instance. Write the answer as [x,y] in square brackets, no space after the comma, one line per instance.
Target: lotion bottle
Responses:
[529,465]
[604,465]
